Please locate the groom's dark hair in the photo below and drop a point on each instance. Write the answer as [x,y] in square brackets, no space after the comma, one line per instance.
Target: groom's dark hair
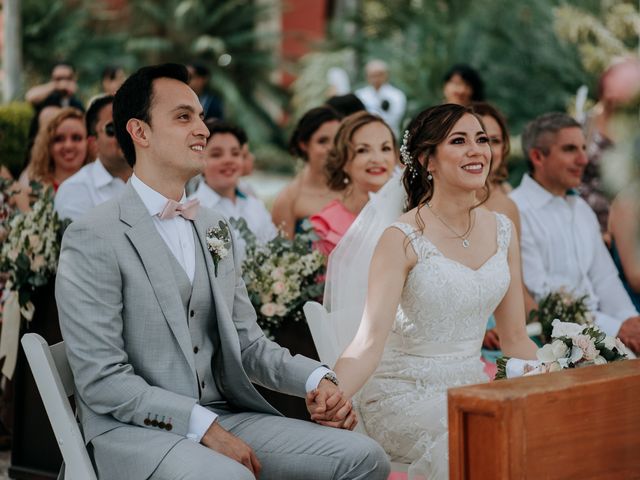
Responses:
[134,98]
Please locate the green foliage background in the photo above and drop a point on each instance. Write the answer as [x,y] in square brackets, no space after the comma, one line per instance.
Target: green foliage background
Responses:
[14,130]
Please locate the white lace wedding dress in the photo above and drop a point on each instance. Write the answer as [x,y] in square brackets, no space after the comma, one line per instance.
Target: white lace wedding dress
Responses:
[434,345]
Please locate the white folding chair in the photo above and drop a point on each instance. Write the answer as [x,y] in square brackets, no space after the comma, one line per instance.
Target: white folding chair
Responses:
[322,332]
[54,380]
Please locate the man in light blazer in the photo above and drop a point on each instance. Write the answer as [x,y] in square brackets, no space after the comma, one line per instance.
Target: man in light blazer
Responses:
[161,336]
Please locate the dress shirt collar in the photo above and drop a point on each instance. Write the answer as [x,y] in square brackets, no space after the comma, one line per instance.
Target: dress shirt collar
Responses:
[153,201]
[210,198]
[101,177]
[539,196]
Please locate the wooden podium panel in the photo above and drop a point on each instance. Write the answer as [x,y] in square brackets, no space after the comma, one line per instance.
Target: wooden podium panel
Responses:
[576,424]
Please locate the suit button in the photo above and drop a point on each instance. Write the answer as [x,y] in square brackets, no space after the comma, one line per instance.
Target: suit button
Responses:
[147,421]
[168,427]
[154,422]
[196,349]
[192,313]
[202,384]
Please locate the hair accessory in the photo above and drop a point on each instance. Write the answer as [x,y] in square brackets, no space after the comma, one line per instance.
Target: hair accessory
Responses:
[407,161]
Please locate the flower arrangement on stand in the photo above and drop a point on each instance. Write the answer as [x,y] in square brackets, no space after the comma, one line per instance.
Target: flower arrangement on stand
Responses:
[572,345]
[563,306]
[28,260]
[281,276]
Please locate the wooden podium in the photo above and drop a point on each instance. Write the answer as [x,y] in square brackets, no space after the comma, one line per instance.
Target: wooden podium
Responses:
[576,424]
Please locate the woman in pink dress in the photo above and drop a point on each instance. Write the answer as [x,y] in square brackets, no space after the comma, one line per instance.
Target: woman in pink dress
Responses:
[361,161]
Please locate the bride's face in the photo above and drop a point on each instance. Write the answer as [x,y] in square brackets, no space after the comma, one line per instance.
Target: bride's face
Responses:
[463,159]
[374,157]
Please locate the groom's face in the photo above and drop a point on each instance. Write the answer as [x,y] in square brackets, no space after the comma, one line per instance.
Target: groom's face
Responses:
[177,134]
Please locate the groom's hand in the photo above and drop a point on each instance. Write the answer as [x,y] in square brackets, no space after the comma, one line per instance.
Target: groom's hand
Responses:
[328,406]
[218,439]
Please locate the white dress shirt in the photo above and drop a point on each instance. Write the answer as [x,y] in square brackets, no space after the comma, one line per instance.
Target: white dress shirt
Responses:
[247,207]
[87,188]
[562,248]
[373,100]
[177,233]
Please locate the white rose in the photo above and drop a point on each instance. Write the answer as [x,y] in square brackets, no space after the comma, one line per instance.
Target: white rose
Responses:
[278,287]
[268,309]
[34,241]
[281,311]
[565,329]
[554,367]
[609,342]
[576,354]
[552,351]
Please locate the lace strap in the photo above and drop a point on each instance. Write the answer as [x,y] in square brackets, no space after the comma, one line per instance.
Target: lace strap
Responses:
[420,245]
[504,231]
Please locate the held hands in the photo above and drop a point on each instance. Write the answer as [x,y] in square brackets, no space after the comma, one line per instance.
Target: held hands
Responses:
[328,406]
[218,439]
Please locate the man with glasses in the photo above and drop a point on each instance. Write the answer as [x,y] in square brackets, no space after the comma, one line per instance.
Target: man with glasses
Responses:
[59,90]
[103,179]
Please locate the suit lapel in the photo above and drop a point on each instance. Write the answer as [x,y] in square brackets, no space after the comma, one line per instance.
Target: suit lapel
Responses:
[151,248]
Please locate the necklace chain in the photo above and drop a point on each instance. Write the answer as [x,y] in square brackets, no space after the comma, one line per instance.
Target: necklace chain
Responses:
[465,236]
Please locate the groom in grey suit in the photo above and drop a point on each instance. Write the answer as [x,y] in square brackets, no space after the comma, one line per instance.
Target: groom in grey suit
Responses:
[161,336]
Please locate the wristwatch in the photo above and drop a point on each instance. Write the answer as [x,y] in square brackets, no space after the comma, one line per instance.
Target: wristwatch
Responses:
[331,377]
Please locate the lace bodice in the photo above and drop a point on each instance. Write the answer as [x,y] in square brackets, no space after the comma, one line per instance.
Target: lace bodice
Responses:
[434,345]
[445,301]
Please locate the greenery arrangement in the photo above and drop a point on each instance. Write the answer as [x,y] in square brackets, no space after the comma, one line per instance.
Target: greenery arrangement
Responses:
[281,275]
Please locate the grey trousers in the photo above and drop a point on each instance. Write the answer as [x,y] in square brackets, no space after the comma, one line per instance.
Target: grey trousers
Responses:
[288,449]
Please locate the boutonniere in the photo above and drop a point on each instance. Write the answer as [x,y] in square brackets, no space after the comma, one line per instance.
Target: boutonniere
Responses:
[218,243]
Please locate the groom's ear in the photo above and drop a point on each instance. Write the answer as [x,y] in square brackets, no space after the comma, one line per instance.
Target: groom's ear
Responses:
[138,130]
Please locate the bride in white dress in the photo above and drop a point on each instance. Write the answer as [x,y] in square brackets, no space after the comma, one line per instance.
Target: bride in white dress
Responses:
[436,275]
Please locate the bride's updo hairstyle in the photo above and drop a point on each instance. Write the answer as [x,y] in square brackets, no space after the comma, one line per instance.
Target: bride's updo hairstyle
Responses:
[428,130]
[343,151]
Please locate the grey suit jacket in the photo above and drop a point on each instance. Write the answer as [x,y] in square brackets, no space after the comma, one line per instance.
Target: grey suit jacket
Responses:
[128,341]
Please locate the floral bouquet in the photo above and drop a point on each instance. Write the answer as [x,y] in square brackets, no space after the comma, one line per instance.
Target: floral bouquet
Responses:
[281,275]
[573,345]
[28,260]
[563,306]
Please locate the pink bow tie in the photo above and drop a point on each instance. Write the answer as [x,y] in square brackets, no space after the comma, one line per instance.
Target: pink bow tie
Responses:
[187,210]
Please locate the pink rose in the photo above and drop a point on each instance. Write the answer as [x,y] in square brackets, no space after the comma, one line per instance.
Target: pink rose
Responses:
[268,309]
[278,287]
[585,343]
[621,82]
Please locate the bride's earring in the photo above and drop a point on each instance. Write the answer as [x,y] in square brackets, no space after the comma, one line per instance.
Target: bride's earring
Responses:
[429,176]
[346,180]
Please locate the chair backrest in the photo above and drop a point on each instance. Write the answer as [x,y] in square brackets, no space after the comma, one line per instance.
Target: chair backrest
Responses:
[54,379]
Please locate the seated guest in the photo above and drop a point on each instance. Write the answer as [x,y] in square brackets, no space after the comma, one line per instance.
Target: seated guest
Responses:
[462,84]
[623,228]
[59,150]
[112,78]
[561,242]
[103,179]
[60,90]
[308,193]
[361,161]
[218,188]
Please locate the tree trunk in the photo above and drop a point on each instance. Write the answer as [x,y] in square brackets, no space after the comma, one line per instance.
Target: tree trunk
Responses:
[11,50]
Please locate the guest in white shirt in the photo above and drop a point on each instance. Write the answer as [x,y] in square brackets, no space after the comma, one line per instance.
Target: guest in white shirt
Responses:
[380,97]
[103,179]
[561,242]
[224,162]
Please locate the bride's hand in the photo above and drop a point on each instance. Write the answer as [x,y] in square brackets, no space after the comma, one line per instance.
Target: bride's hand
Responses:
[330,407]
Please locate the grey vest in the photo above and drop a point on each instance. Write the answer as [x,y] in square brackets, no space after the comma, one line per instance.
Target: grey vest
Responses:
[200,314]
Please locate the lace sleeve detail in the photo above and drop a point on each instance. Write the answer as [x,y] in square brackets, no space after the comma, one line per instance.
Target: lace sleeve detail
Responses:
[504,231]
[422,248]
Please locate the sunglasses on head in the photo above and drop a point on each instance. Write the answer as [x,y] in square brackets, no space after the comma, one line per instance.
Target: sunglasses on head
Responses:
[109,129]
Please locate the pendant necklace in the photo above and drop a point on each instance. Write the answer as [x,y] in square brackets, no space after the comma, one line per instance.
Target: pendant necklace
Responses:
[465,236]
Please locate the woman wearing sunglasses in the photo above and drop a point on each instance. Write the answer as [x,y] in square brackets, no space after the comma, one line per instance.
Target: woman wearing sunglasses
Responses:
[103,179]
